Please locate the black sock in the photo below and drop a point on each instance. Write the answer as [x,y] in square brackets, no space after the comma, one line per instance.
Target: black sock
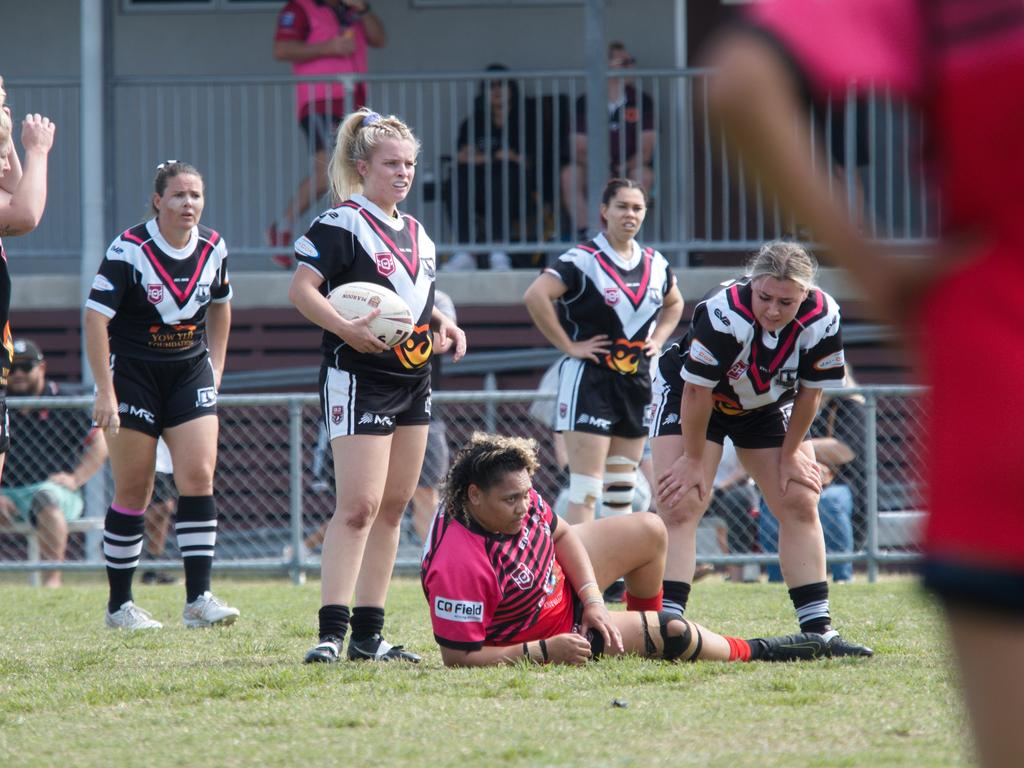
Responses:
[674,597]
[333,621]
[195,525]
[811,603]
[367,622]
[122,548]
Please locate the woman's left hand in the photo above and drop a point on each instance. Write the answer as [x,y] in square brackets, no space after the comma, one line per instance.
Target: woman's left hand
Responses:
[596,617]
[450,335]
[652,348]
[798,467]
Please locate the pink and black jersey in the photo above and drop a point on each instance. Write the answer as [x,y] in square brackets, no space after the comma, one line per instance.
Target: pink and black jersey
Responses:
[156,295]
[7,351]
[749,367]
[357,241]
[607,294]
[495,589]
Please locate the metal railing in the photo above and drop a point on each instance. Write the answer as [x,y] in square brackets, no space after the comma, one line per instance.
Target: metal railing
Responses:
[243,134]
[274,485]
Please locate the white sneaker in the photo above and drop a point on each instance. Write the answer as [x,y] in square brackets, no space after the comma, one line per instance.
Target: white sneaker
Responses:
[460,261]
[130,616]
[207,610]
[500,261]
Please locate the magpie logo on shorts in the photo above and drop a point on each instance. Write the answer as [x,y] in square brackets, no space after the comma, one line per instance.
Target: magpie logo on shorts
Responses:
[672,418]
[522,577]
[385,263]
[337,414]
[155,293]
[206,397]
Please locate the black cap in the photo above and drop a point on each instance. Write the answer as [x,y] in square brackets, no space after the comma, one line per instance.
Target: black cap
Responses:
[26,349]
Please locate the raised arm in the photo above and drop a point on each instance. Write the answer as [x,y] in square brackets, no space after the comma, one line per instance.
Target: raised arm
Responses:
[22,211]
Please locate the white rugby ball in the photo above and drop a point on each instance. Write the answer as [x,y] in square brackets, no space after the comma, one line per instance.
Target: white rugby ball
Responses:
[352,301]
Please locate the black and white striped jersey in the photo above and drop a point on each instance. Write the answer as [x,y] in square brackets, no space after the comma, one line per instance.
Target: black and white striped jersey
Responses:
[358,242]
[156,295]
[606,294]
[748,367]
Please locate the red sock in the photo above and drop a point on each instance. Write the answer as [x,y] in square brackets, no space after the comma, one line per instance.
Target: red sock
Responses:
[634,603]
[739,650]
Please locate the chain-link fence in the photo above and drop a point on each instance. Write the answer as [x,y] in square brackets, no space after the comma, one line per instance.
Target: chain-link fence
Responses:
[275,490]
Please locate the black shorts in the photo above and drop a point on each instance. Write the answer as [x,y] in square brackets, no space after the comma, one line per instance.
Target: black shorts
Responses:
[763,427]
[5,423]
[986,588]
[320,130]
[355,404]
[153,395]
[600,401]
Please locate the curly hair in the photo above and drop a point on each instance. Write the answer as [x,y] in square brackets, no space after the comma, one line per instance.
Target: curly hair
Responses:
[484,462]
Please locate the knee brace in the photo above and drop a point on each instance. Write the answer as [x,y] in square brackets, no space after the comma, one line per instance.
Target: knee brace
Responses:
[676,647]
[584,489]
[619,485]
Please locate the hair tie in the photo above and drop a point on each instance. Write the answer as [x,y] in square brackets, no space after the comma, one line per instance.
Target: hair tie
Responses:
[370,119]
[165,163]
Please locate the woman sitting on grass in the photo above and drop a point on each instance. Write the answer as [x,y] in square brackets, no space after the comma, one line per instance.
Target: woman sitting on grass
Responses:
[505,580]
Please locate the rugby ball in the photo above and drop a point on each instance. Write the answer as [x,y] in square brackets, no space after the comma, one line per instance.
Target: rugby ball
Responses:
[392,326]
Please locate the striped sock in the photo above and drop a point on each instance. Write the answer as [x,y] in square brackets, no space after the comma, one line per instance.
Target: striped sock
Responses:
[811,604]
[122,547]
[195,526]
[675,595]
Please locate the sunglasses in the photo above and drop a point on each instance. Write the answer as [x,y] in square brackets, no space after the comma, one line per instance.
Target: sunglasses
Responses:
[25,367]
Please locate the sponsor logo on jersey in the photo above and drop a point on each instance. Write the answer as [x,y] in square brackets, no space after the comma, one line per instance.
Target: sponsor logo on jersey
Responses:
[835,360]
[701,354]
[428,266]
[737,370]
[172,336]
[385,264]
[611,296]
[672,418]
[203,292]
[449,608]
[155,293]
[337,414]
[305,247]
[139,413]
[721,316]
[594,421]
[206,397]
[831,324]
[116,249]
[415,351]
[377,419]
[787,377]
[654,296]
[522,576]
[625,356]
[101,283]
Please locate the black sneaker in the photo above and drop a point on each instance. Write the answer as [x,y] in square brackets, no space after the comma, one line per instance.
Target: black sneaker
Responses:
[837,646]
[804,646]
[376,648]
[326,652]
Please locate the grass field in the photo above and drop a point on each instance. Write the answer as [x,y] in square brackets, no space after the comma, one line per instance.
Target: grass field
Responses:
[75,694]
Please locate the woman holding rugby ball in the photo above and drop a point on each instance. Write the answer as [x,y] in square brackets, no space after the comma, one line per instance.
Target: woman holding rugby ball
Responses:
[375,399]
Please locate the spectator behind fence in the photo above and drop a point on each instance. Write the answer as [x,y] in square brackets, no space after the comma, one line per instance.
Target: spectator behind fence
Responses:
[959,302]
[489,167]
[54,452]
[22,201]
[375,400]
[495,601]
[734,502]
[158,513]
[758,354]
[321,37]
[617,304]
[156,329]
[631,140]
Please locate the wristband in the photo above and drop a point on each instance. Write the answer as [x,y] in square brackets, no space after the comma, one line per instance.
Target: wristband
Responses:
[543,649]
[587,586]
[594,600]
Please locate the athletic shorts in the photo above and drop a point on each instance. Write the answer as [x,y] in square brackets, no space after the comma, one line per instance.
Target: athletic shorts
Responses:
[971,454]
[356,404]
[600,401]
[435,460]
[320,130]
[30,500]
[763,427]
[153,395]
[163,488]
[5,423]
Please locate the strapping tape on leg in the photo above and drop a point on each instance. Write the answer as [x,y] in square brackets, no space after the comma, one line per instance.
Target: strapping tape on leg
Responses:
[619,486]
[584,489]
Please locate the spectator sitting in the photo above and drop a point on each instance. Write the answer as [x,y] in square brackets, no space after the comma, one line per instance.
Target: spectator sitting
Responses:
[489,167]
[53,453]
[734,502]
[321,37]
[630,141]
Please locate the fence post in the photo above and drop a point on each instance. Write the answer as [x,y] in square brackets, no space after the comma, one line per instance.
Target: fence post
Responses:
[490,409]
[297,570]
[871,470]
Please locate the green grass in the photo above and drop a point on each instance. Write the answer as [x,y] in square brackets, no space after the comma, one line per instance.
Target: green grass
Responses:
[75,694]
